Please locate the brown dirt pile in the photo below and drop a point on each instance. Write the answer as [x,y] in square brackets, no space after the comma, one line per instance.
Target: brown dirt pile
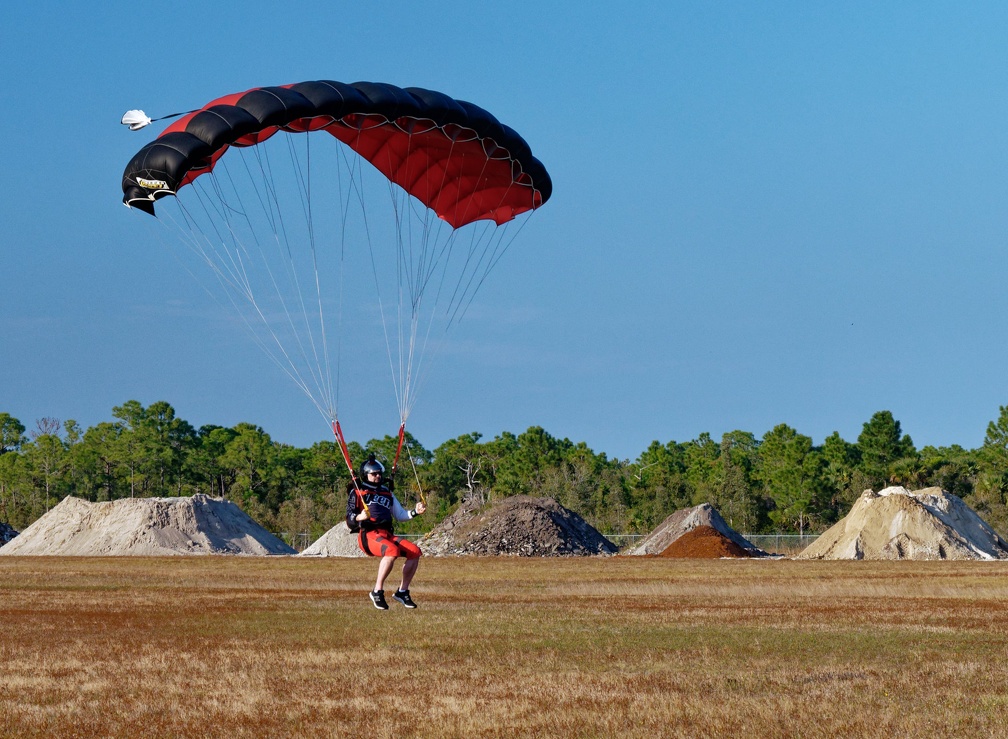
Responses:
[519,525]
[704,542]
[145,527]
[685,520]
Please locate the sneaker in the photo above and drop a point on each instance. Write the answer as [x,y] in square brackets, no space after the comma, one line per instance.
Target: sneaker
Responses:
[378,598]
[403,597]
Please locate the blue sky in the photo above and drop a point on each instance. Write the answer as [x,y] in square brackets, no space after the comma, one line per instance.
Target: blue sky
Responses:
[762,213]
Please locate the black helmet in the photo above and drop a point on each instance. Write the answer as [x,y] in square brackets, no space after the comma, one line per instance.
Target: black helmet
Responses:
[372,465]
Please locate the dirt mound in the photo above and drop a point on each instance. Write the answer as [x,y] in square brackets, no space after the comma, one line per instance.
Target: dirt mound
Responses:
[338,541]
[146,526]
[519,525]
[704,542]
[897,524]
[7,533]
[686,520]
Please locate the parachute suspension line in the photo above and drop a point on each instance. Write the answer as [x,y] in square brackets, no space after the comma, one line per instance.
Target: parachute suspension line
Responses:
[440,255]
[304,178]
[416,476]
[338,433]
[346,192]
[493,250]
[266,211]
[457,308]
[236,275]
[270,209]
[431,319]
[195,238]
[495,255]
[406,279]
[274,214]
[434,228]
[291,268]
[402,276]
[303,175]
[357,188]
[418,257]
[330,393]
[503,247]
[413,259]
[194,235]
[500,248]
[315,367]
[191,240]
[421,254]
[344,205]
[206,204]
[419,343]
[230,266]
[487,247]
[443,255]
[474,247]
[469,268]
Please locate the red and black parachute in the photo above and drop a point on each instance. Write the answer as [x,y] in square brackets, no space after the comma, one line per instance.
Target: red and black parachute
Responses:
[453,156]
[318,252]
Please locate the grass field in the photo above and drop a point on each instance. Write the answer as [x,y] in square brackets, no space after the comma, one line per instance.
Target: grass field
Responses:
[228,646]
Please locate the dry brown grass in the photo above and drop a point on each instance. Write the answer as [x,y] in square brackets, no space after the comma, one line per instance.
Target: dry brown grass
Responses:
[224,646]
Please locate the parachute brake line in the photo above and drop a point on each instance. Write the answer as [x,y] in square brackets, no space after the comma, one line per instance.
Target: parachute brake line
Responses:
[416,475]
[409,453]
[338,433]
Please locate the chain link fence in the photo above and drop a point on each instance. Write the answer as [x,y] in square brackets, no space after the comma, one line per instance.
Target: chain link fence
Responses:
[624,541]
[788,544]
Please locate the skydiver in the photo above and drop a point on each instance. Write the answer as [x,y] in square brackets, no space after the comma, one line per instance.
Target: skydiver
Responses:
[376,536]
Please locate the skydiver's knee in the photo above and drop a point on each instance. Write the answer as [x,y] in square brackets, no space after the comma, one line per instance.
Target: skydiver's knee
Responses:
[410,551]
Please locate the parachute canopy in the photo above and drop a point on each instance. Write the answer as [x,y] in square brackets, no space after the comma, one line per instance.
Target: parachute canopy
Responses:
[453,156]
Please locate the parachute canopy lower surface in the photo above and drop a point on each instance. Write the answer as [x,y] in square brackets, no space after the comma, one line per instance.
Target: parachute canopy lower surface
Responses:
[453,156]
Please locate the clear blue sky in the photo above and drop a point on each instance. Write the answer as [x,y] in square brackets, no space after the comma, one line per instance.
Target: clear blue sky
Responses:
[763,212]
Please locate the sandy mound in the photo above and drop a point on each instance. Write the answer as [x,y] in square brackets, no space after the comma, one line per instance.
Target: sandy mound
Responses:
[146,526]
[704,542]
[7,533]
[519,525]
[338,541]
[684,521]
[897,524]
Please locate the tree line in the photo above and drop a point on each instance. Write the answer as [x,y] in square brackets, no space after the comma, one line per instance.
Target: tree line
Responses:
[781,481]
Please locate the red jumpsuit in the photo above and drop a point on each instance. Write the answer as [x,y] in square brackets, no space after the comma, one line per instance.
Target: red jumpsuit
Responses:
[377,537]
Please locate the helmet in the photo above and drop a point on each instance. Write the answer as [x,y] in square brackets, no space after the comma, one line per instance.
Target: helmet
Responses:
[372,465]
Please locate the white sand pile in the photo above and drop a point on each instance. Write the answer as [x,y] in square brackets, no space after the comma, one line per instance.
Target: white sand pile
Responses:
[686,520]
[7,533]
[146,526]
[898,524]
[338,541]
